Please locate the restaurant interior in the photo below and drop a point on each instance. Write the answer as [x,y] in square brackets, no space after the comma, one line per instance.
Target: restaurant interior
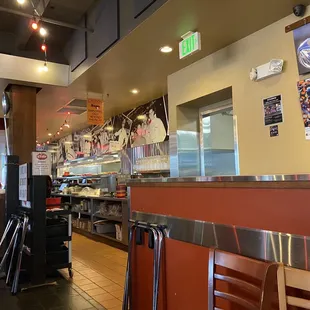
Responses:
[151,154]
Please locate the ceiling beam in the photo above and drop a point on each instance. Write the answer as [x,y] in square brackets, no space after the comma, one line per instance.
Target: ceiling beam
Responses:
[41,6]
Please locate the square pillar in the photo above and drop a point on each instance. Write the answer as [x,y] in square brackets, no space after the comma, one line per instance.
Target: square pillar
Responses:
[22,121]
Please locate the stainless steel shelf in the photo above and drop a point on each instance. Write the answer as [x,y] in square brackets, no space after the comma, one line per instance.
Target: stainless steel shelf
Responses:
[82,212]
[110,218]
[108,236]
[90,197]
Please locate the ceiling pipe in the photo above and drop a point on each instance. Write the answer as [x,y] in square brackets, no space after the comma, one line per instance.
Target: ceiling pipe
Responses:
[44,19]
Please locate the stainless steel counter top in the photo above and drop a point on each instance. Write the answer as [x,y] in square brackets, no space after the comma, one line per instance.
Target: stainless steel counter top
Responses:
[263,178]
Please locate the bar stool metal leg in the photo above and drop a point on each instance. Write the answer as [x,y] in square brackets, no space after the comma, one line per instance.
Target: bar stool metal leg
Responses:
[6,254]
[128,270]
[7,229]
[12,258]
[158,262]
[158,245]
[20,255]
[155,273]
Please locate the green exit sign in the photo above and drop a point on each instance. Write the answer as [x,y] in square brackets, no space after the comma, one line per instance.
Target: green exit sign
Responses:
[190,44]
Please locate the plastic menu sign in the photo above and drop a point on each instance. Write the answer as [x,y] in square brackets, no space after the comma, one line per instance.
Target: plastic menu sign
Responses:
[95,112]
[41,163]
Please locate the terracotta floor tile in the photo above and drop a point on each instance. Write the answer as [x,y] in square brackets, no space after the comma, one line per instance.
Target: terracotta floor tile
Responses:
[93,276]
[78,276]
[96,291]
[105,283]
[99,269]
[80,282]
[112,288]
[118,294]
[103,297]
[109,304]
[99,278]
[117,308]
[88,287]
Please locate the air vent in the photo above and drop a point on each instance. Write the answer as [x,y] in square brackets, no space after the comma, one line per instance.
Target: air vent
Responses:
[75,106]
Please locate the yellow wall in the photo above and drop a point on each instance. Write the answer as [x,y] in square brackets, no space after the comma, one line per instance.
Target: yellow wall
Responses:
[258,153]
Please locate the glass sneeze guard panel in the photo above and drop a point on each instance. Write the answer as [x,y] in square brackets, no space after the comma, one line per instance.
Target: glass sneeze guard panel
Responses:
[92,166]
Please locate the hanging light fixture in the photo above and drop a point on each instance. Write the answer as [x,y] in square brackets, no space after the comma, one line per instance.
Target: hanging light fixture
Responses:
[43,47]
[43,32]
[66,124]
[34,25]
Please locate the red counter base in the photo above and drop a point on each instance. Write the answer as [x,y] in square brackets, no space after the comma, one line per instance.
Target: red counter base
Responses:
[184,281]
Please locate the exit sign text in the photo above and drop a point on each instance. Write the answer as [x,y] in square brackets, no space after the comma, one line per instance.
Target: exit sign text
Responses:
[190,44]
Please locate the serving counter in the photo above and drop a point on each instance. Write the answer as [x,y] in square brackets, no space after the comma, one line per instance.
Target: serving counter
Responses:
[265,218]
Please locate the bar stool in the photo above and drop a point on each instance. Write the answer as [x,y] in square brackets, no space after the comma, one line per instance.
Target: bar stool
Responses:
[251,283]
[295,278]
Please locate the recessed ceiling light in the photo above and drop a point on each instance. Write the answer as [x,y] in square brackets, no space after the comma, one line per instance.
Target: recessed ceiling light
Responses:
[166,49]
[134,91]
[50,134]
[21,1]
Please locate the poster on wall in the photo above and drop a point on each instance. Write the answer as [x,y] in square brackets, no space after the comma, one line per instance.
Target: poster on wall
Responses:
[145,124]
[302,48]
[149,125]
[304,101]
[95,112]
[274,131]
[273,113]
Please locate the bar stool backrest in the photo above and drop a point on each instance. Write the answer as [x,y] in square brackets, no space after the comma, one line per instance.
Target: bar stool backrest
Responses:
[251,283]
[295,278]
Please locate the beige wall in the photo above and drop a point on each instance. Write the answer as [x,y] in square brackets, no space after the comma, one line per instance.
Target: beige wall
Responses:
[259,154]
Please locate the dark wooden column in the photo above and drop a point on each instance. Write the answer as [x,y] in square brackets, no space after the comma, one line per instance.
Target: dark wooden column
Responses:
[22,121]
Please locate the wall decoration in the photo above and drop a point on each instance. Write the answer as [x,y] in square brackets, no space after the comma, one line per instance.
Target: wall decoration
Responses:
[273,113]
[302,48]
[274,131]
[304,100]
[145,124]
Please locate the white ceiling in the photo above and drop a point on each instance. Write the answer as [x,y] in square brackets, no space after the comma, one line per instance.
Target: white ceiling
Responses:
[135,61]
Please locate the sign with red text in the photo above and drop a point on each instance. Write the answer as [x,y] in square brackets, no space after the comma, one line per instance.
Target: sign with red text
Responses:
[95,112]
[41,163]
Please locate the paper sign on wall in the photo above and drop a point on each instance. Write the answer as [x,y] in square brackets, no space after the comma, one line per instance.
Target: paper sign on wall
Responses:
[273,113]
[95,112]
[23,182]
[41,163]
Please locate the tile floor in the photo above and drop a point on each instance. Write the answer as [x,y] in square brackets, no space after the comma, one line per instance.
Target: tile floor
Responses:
[99,270]
[99,274]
